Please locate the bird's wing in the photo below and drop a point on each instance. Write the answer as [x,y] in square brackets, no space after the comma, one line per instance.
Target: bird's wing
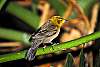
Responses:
[47,30]
[36,42]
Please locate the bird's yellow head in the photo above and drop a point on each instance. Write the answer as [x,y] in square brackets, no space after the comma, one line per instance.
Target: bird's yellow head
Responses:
[58,21]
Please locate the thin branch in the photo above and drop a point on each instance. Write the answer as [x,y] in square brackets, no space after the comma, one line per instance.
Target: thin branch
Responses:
[51,49]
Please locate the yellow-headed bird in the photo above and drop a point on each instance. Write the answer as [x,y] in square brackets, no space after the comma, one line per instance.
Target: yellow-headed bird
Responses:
[46,34]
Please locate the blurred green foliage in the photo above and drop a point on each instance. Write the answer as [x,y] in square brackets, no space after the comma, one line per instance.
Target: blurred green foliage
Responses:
[2,2]
[14,35]
[29,17]
[82,59]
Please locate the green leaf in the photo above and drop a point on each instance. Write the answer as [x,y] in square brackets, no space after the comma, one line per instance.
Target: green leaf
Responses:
[82,59]
[97,60]
[30,18]
[14,35]
[69,61]
[2,2]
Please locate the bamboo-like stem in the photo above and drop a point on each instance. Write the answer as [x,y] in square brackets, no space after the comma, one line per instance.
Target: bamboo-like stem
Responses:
[51,49]
[70,44]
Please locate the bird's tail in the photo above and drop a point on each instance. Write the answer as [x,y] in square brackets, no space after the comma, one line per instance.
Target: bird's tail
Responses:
[32,51]
[31,54]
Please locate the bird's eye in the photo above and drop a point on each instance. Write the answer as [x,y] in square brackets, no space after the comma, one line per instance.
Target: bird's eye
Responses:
[59,21]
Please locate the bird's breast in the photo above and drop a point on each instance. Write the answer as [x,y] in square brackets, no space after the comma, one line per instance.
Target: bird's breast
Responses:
[49,39]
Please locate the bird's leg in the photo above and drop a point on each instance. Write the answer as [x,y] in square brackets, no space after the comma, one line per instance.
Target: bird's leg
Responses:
[54,44]
[51,43]
[44,46]
[52,47]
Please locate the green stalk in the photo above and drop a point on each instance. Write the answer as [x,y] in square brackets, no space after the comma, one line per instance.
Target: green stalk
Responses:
[30,18]
[51,49]
[70,44]
[14,35]
[2,2]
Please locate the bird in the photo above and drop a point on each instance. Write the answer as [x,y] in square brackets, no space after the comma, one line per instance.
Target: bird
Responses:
[45,34]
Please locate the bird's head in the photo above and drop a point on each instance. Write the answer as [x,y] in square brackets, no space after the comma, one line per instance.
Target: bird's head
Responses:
[58,21]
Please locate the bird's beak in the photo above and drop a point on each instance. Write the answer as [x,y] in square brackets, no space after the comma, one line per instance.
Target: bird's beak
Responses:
[65,21]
